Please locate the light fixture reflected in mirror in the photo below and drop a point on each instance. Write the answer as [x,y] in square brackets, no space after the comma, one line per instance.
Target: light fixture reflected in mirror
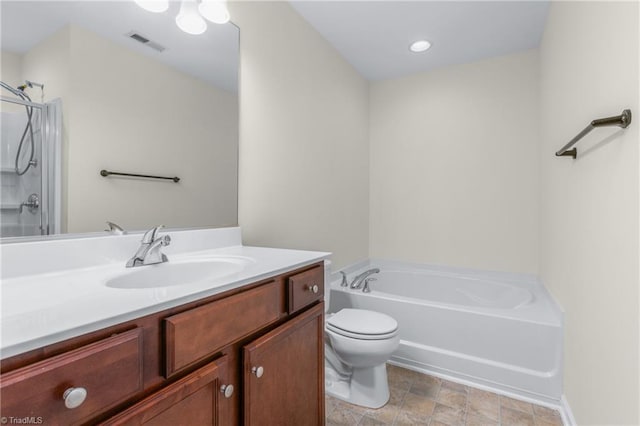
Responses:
[214,11]
[155,6]
[189,20]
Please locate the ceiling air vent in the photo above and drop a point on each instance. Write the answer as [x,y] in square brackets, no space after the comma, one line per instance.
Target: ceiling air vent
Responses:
[142,39]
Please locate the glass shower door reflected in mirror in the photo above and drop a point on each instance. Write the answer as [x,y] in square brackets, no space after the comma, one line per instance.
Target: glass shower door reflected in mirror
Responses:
[26,166]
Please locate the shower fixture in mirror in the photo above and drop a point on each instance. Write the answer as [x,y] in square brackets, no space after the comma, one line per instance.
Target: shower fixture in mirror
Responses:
[102,85]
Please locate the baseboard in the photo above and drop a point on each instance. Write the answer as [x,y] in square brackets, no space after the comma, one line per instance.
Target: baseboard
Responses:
[566,413]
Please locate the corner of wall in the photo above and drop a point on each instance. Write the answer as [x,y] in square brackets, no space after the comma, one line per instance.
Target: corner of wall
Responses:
[303,137]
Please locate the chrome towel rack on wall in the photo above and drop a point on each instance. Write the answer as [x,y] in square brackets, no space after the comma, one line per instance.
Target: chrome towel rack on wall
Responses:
[623,120]
[106,173]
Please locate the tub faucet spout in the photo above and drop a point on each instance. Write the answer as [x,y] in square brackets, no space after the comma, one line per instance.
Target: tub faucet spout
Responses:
[359,280]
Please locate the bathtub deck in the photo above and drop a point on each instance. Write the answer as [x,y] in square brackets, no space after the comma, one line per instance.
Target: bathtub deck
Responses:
[419,399]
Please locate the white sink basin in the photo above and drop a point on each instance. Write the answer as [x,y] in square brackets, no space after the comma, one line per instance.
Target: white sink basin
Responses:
[178,273]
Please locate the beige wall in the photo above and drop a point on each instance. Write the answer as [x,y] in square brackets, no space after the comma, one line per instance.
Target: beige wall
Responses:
[454,165]
[126,112]
[589,257]
[11,69]
[303,137]
[10,73]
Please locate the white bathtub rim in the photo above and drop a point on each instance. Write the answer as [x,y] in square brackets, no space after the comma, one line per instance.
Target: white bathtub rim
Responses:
[542,299]
[489,312]
[510,277]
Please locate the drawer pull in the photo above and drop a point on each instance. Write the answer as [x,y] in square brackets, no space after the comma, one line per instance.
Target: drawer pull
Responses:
[227,390]
[74,397]
[258,371]
[314,288]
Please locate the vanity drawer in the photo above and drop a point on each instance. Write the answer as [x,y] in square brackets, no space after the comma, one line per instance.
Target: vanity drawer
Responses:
[195,334]
[196,399]
[305,288]
[109,370]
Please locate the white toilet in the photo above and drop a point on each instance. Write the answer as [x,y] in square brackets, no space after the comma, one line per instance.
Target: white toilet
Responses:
[358,343]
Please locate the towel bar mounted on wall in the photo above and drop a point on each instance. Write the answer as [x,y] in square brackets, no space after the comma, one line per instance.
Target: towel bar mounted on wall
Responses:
[623,120]
[106,173]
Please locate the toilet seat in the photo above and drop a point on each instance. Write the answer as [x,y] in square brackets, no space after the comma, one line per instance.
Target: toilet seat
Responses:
[362,324]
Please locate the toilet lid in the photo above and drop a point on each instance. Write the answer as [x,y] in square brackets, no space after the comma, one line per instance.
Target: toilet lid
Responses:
[362,323]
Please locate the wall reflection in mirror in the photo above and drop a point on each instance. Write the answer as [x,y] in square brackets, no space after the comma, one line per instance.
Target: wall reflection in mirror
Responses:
[100,85]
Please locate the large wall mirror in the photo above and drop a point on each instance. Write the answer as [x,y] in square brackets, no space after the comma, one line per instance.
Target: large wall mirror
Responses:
[92,86]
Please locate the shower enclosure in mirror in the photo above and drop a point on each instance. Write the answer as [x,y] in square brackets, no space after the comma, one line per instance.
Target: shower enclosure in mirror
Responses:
[30,166]
[106,85]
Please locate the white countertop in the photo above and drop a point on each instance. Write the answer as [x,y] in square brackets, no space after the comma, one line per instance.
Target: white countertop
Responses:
[45,308]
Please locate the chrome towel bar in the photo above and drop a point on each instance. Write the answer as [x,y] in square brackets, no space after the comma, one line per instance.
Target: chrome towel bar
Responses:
[106,173]
[623,120]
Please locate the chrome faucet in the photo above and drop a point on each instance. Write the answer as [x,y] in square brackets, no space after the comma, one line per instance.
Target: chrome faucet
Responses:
[357,281]
[149,251]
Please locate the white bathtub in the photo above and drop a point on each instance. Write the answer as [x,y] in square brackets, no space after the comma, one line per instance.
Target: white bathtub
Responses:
[493,329]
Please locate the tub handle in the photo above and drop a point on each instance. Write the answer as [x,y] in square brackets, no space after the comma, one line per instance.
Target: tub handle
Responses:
[344,282]
[365,288]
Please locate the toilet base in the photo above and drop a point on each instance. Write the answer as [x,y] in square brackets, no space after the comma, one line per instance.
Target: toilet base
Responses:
[367,387]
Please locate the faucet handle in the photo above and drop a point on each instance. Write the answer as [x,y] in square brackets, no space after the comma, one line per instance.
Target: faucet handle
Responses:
[150,235]
[366,288]
[344,282]
[115,229]
[165,240]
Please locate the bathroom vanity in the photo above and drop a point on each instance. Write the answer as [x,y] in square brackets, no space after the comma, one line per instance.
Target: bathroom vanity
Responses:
[246,350]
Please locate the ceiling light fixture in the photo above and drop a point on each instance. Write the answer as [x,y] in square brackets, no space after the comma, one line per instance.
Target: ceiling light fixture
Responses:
[155,6]
[215,11]
[189,20]
[419,46]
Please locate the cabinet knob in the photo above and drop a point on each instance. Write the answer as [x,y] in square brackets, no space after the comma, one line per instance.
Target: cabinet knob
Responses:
[314,288]
[74,397]
[258,371]
[227,390]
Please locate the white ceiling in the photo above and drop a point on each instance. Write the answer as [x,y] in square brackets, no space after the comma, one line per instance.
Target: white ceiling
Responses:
[211,57]
[374,36]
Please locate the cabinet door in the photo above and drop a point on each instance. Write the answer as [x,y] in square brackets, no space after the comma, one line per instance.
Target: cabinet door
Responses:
[284,373]
[197,399]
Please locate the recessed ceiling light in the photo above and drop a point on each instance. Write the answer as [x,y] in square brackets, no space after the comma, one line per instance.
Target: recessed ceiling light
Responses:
[419,46]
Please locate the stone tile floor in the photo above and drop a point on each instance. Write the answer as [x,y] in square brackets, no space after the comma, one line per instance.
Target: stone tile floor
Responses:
[419,399]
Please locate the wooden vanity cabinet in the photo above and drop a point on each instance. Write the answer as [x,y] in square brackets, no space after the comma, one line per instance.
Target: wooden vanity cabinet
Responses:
[188,365]
[102,374]
[193,335]
[283,373]
[192,400]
